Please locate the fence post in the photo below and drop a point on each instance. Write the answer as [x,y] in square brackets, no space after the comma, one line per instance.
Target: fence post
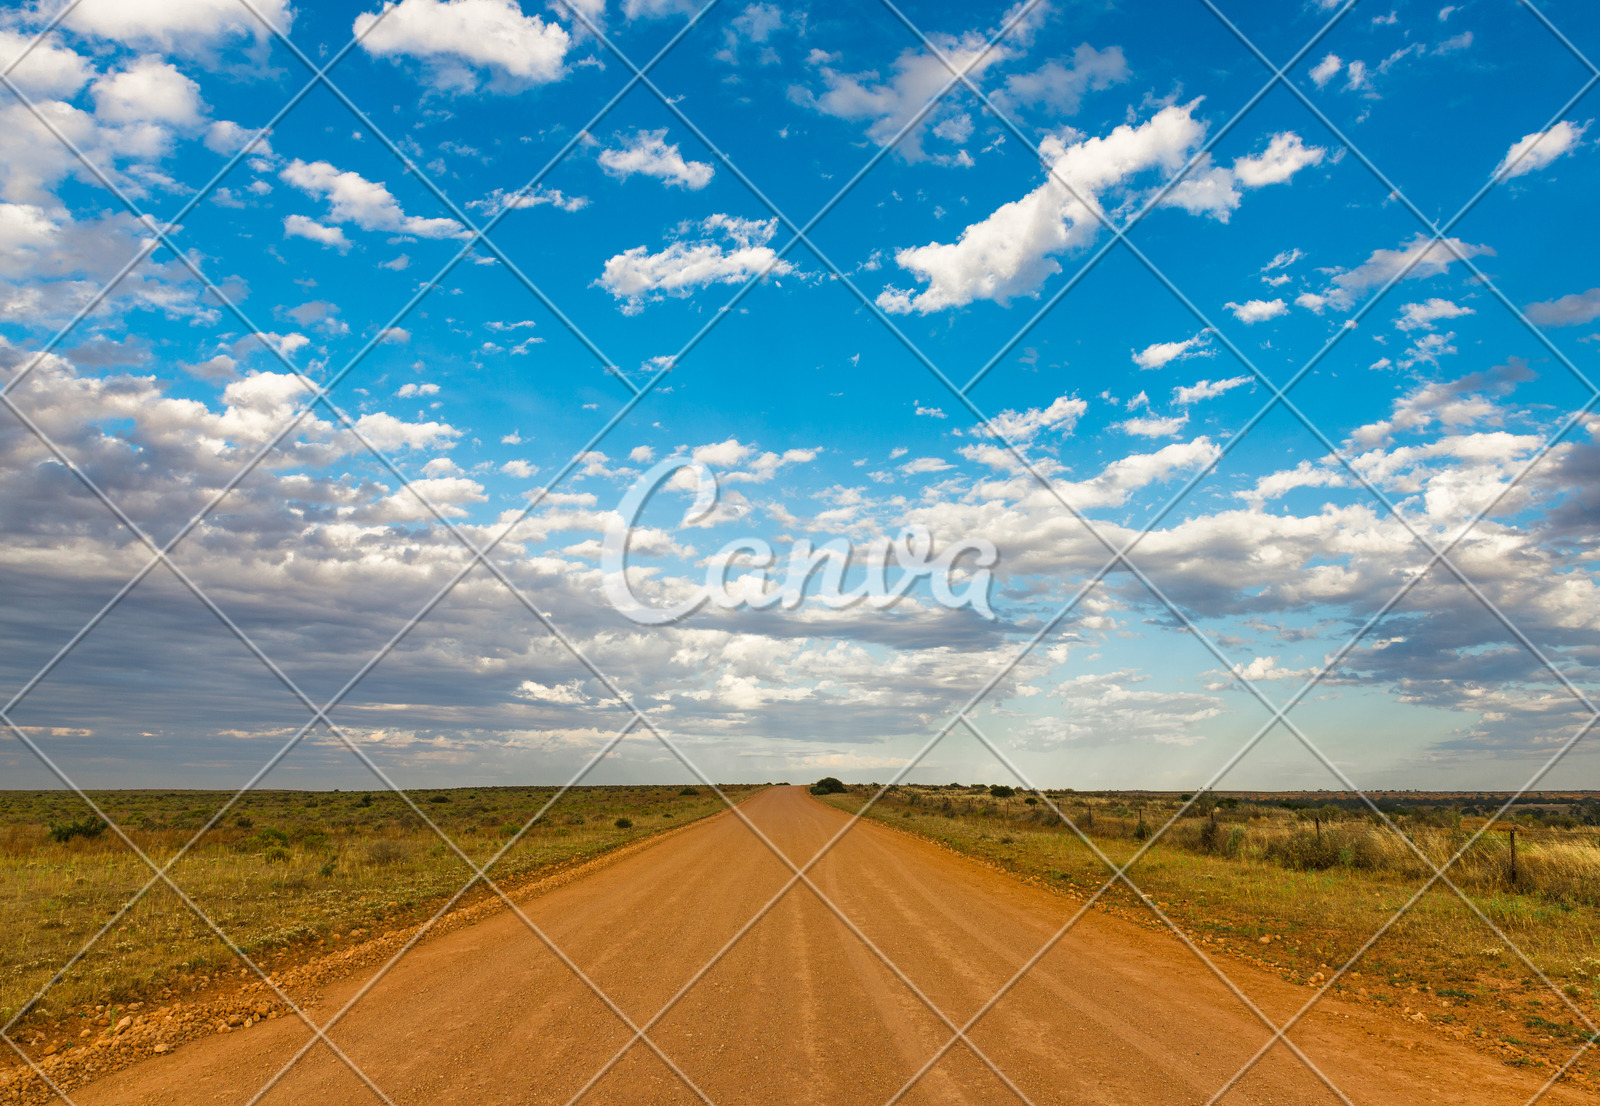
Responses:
[1513,855]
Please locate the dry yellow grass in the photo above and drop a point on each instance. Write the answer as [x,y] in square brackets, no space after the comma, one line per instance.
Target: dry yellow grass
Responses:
[1318,894]
[286,876]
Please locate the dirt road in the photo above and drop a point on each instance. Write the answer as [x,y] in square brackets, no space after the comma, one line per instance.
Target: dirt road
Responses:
[802,1011]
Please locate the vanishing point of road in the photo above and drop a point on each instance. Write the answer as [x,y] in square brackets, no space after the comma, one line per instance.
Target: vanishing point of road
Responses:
[802,1010]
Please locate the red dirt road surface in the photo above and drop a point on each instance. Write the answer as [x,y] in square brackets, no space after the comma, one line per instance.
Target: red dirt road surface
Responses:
[803,1011]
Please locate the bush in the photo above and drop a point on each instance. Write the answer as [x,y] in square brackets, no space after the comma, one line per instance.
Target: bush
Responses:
[828,785]
[1001,791]
[690,791]
[242,822]
[624,823]
[438,798]
[90,825]
[276,855]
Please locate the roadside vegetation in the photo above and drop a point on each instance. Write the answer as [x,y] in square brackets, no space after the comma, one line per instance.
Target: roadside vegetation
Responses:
[289,876]
[1298,883]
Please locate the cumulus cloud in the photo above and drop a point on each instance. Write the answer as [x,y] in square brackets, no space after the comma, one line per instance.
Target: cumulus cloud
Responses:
[730,250]
[299,226]
[1415,316]
[1183,396]
[887,105]
[1154,426]
[182,26]
[649,153]
[354,199]
[1426,257]
[1060,87]
[460,39]
[1570,310]
[1535,151]
[148,91]
[1326,69]
[1164,353]
[1256,311]
[1012,251]
[1020,427]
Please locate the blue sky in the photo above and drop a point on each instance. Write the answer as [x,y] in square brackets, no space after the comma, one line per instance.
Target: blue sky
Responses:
[825,396]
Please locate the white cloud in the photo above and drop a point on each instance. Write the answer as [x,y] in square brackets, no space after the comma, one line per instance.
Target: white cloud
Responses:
[1283,260]
[1214,190]
[890,105]
[1012,251]
[1208,389]
[1428,348]
[1164,353]
[1425,314]
[148,91]
[298,226]
[637,276]
[920,466]
[368,204]
[48,71]
[1153,426]
[228,138]
[458,38]
[1537,150]
[1021,427]
[1109,708]
[649,153]
[408,390]
[1572,310]
[1059,87]
[1255,311]
[185,26]
[536,197]
[1286,154]
[1427,258]
[522,470]
[1311,302]
[1326,69]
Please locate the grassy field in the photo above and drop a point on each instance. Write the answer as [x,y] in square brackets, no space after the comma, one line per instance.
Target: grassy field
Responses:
[1299,883]
[289,876]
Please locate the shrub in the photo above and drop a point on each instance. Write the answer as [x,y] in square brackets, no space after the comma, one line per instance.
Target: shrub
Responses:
[90,825]
[243,822]
[690,791]
[269,836]
[1001,791]
[276,855]
[624,823]
[828,785]
[438,798]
